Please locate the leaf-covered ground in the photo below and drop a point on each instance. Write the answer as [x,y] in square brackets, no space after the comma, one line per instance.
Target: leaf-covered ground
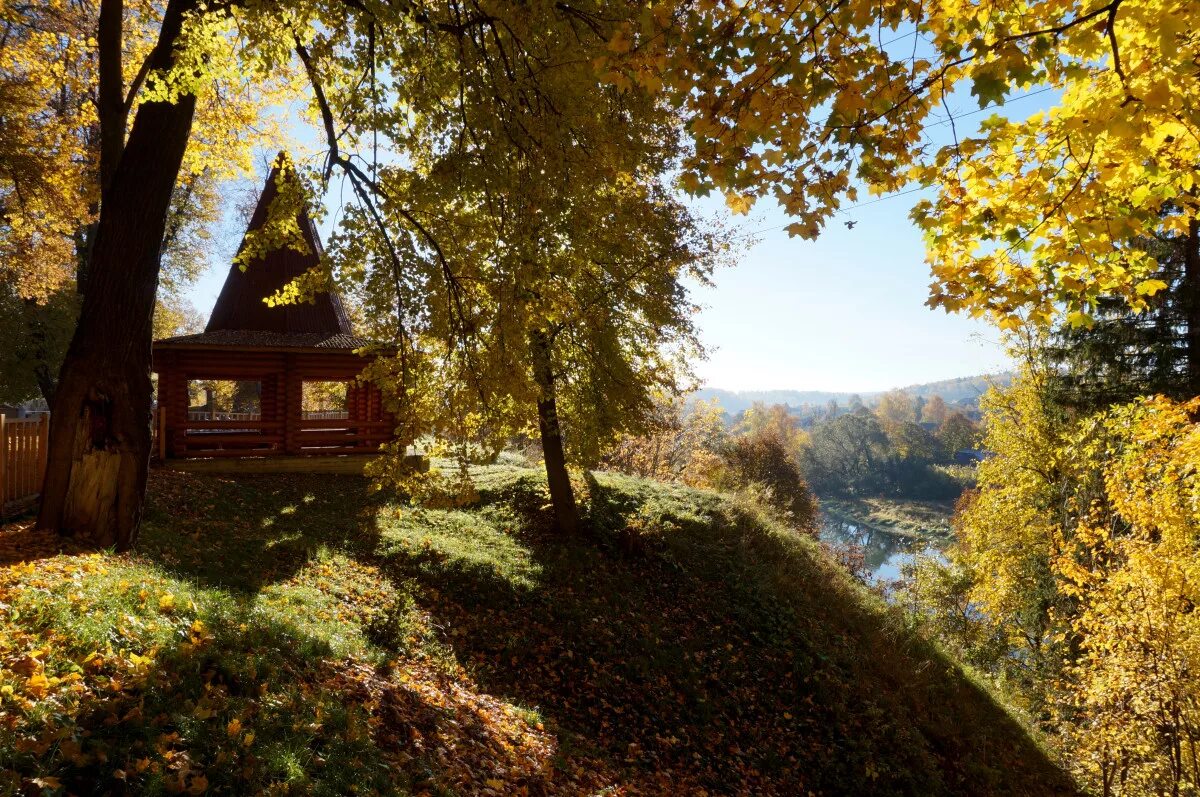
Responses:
[297,634]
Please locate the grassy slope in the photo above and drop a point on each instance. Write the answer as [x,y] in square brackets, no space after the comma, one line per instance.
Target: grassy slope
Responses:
[295,633]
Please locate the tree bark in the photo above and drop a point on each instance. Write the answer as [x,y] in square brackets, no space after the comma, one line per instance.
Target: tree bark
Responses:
[562,497]
[1191,303]
[99,447]
[110,89]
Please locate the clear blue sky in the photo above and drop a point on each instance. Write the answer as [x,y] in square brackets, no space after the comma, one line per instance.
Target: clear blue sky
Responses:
[846,312]
[843,313]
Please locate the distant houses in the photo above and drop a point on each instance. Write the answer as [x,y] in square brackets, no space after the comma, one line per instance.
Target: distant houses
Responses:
[971,456]
[26,409]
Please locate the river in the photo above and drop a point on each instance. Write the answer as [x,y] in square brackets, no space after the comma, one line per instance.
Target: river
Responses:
[884,553]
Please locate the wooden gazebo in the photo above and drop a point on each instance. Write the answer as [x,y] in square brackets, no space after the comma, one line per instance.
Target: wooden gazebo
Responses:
[280,348]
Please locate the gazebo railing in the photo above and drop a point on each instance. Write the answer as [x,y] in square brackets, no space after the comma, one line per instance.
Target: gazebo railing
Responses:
[258,437]
[341,435]
[205,415]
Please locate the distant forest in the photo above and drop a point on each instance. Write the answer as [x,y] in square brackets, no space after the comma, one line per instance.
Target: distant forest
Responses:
[960,394]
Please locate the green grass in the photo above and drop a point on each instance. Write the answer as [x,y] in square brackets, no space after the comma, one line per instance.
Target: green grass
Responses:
[687,644]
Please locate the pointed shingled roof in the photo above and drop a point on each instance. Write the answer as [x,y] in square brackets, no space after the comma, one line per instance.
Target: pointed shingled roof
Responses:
[240,305]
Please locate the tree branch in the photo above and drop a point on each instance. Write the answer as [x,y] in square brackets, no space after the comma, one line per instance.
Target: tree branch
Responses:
[110,95]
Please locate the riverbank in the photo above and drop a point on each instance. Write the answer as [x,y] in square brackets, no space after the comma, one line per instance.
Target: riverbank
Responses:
[929,520]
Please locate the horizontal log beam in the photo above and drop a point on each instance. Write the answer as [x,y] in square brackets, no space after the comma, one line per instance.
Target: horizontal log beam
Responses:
[226,439]
[310,424]
[248,425]
[231,452]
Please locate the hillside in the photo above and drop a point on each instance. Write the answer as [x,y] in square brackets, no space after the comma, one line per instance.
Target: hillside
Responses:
[302,635]
[964,391]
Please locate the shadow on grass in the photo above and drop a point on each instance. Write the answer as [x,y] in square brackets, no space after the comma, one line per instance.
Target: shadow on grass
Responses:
[247,532]
[685,641]
[21,543]
[249,704]
[686,636]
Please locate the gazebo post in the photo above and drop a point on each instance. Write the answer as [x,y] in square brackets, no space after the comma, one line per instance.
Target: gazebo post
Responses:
[293,406]
[268,401]
[172,404]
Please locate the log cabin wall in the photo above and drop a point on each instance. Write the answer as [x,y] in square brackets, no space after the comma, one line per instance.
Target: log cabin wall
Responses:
[281,428]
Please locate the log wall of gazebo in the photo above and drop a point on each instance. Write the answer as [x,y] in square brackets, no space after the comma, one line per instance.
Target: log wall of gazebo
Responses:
[281,428]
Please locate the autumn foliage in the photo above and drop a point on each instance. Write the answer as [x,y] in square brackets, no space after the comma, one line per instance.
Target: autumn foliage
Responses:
[1074,582]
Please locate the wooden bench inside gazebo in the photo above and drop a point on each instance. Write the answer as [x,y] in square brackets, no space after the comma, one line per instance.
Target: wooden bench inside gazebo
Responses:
[276,355]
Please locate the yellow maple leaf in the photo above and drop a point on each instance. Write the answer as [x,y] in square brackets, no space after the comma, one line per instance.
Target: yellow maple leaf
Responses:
[38,685]
[234,727]
[740,204]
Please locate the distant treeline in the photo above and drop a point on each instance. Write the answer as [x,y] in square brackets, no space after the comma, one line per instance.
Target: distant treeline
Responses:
[962,393]
[904,446]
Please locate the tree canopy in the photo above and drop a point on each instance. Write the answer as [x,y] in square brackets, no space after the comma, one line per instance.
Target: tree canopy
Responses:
[811,105]
[512,227]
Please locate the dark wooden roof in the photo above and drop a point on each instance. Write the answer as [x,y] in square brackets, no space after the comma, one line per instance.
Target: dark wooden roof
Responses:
[240,305]
[255,339]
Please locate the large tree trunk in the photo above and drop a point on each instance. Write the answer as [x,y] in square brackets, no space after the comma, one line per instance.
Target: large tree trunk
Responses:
[562,498]
[1191,304]
[99,446]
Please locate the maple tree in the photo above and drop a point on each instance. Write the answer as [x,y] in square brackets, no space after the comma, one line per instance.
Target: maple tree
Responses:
[95,477]
[1129,566]
[524,256]
[958,432]
[934,411]
[1007,529]
[1072,582]
[51,177]
[682,443]
[156,112]
[809,104]
[896,408]
[775,421]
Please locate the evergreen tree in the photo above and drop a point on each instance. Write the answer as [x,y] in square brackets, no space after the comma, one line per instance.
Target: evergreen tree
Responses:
[1124,354]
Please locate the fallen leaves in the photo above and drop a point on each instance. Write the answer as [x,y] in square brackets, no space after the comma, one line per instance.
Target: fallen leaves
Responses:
[38,686]
[605,675]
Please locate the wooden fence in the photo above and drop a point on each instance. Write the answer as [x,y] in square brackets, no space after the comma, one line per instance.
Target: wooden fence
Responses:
[22,461]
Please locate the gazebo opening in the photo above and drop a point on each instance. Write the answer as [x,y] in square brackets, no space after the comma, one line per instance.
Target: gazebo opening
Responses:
[326,400]
[224,399]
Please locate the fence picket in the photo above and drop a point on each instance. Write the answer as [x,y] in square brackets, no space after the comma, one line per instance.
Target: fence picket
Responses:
[23,453]
[3,461]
